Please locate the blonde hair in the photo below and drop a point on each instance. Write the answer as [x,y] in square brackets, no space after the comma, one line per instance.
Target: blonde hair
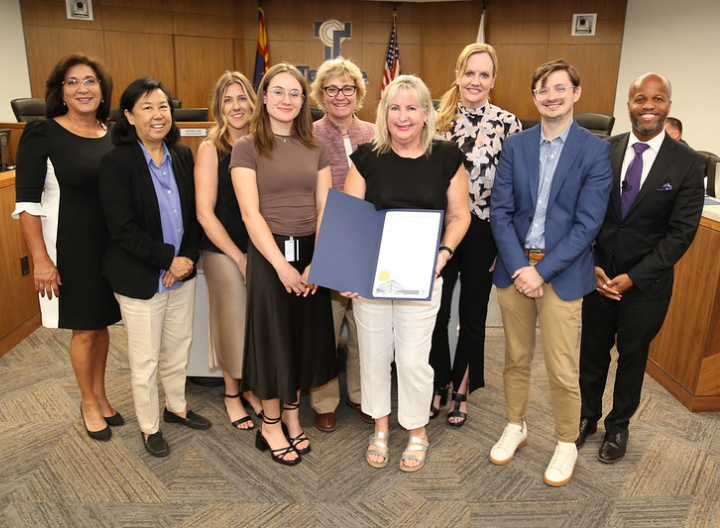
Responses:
[414,85]
[260,123]
[449,102]
[218,134]
[342,68]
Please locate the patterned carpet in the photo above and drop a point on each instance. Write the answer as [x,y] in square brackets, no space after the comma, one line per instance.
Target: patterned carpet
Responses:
[53,475]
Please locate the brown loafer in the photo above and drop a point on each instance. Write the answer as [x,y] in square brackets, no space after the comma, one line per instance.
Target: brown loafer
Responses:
[364,417]
[325,422]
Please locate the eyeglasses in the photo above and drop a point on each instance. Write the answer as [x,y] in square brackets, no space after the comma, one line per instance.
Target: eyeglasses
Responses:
[333,91]
[542,93]
[72,82]
[278,94]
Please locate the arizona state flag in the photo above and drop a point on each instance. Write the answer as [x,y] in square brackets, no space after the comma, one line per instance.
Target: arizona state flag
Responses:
[262,59]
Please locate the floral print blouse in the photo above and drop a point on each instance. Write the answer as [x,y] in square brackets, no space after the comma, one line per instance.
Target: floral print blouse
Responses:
[480,134]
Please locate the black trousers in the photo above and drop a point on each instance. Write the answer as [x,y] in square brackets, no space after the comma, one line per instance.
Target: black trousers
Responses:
[472,260]
[635,321]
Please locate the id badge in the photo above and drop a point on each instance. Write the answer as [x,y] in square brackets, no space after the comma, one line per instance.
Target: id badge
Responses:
[292,250]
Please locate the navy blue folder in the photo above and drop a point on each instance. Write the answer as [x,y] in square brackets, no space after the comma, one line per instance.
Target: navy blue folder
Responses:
[348,244]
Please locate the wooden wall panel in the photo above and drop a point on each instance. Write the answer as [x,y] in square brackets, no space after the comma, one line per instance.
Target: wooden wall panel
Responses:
[132,55]
[525,33]
[46,46]
[199,62]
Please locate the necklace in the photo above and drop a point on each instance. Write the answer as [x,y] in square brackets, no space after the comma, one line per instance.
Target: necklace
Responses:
[285,139]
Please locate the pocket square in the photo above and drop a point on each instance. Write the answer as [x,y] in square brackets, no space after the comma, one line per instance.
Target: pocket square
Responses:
[665,187]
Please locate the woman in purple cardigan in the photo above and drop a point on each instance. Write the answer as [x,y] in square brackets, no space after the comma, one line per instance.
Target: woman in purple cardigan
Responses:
[339,89]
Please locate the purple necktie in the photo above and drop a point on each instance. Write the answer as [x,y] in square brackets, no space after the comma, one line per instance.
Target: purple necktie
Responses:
[631,183]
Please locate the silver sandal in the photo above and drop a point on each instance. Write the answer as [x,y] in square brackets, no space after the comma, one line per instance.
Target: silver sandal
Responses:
[415,450]
[375,447]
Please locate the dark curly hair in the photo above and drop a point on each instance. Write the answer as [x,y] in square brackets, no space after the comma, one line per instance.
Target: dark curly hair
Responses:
[54,103]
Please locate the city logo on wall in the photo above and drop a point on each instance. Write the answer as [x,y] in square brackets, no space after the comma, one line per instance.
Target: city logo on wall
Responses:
[331,33]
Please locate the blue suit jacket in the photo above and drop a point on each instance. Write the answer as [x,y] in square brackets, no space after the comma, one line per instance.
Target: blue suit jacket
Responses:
[578,201]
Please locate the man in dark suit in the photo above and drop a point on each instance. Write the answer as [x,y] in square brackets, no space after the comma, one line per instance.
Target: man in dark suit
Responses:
[654,211]
[550,195]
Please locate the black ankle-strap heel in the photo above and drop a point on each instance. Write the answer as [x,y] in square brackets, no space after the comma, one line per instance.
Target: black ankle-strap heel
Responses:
[278,455]
[295,440]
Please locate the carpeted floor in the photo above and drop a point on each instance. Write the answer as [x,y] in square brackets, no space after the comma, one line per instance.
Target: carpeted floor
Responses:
[53,475]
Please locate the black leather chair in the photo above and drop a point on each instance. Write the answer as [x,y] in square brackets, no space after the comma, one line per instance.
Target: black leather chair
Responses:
[316,112]
[712,173]
[599,124]
[191,114]
[528,123]
[28,109]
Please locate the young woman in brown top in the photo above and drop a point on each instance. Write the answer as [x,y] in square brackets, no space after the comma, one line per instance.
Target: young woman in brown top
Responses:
[281,177]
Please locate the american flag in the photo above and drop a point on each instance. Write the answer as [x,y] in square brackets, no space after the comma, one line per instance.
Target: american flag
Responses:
[262,58]
[392,61]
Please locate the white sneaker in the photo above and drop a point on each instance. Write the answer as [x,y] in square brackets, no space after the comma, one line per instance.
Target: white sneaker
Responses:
[513,438]
[560,470]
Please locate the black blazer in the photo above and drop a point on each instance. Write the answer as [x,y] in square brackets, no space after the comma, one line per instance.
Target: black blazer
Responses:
[136,253]
[661,223]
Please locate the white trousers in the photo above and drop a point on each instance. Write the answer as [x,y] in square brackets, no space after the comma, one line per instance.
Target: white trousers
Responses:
[159,334]
[400,330]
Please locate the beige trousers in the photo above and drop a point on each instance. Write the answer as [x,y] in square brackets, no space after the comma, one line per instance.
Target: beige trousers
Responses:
[559,330]
[325,399]
[159,334]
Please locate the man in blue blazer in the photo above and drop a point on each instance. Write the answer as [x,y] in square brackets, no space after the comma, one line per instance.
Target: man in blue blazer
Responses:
[550,195]
[644,234]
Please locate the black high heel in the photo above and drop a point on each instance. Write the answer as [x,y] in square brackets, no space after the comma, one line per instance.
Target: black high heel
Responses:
[294,441]
[278,455]
[239,420]
[443,393]
[456,413]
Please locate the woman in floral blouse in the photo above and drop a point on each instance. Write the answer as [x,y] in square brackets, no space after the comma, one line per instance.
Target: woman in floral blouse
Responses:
[479,129]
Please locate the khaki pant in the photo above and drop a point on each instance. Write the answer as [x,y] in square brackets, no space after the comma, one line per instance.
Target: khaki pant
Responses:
[325,399]
[159,333]
[559,330]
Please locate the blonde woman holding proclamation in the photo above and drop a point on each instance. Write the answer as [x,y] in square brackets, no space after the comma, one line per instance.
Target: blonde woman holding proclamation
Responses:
[339,89]
[281,176]
[479,128]
[405,167]
[224,241]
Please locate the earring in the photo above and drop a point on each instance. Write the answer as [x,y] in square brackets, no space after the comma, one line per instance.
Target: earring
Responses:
[102,101]
[64,103]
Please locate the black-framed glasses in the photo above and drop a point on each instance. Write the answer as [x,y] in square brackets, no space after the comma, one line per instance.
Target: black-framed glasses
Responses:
[72,82]
[543,93]
[333,91]
[278,94]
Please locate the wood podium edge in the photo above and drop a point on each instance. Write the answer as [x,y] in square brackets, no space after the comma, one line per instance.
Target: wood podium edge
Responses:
[692,402]
[20,332]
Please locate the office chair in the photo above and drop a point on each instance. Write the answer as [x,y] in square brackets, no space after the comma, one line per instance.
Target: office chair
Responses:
[28,109]
[599,124]
[712,172]
[528,123]
[191,114]
[316,112]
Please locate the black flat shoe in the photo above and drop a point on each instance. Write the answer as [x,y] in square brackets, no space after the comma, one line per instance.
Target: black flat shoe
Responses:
[456,413]
[586,429]
[155,444]
[193,421]
[115,420]
[613,446]
[443,393]
[277,455]
[103,435]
